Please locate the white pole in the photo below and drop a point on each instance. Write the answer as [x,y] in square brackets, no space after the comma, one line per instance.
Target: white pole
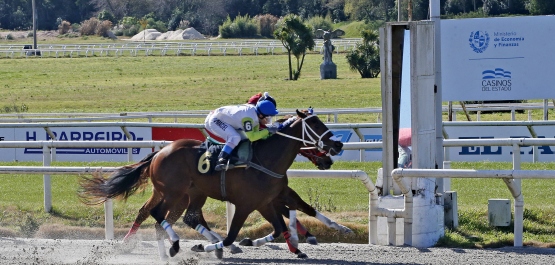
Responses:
[446,181]
[435,17]
[47,186]
[519,200]
[109,219]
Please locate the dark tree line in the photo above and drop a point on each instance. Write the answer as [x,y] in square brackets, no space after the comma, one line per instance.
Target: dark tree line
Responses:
[207,15]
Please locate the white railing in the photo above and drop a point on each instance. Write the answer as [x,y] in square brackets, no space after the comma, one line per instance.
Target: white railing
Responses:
[331,114]
[510,177]
[48,170]
[375,211]
[161,48]
[24,117]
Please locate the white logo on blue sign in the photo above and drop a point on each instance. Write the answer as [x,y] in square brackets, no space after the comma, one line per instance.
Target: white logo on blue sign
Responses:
[479,41]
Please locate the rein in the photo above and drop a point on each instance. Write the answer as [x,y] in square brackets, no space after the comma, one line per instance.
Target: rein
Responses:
[307,132]
[318,143]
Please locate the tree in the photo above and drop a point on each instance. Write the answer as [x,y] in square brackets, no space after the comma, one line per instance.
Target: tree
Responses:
[297,38]
[370,9]
[365,57]
[541,7]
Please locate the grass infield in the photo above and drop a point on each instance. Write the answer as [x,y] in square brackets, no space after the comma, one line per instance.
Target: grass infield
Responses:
[172,83]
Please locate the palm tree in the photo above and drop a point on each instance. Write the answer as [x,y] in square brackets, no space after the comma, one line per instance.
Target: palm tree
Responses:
[297,38]
[365,57]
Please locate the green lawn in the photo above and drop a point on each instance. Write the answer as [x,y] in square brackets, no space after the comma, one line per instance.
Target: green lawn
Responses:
[171,83]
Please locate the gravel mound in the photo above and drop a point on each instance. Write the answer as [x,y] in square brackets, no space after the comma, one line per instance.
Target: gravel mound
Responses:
[152,34]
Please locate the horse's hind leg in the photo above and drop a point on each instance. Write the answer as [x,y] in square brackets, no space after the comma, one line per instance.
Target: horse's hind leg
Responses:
[159,213]
[144,212]
[171,217]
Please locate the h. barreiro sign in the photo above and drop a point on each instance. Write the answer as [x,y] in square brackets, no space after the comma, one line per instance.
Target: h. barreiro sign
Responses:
[74,134]
[498,58]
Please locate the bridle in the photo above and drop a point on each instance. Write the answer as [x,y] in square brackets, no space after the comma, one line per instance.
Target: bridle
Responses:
[312,154]
[307,132]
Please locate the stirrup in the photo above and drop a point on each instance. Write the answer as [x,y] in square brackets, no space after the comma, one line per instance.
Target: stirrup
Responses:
[226,166]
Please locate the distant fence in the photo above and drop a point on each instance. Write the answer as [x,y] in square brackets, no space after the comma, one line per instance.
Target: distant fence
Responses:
[158,48]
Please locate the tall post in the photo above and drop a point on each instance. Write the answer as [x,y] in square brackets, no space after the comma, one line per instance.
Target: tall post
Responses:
[435,17]
[399,10]
[47,185]
[34,26]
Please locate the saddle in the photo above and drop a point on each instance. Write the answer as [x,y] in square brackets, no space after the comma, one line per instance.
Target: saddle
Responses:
[210,149]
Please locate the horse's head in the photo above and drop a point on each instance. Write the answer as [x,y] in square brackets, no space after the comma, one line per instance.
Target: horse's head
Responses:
[319,159]
[315,133]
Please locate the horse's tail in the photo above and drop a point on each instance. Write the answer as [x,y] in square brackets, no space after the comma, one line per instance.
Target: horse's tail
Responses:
[121,184]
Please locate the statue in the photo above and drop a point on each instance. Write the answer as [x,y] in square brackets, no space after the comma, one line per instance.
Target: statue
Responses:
[328,70]
[328,48]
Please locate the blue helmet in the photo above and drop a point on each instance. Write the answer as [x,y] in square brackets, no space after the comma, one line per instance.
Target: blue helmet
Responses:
[266,108]
[266,96]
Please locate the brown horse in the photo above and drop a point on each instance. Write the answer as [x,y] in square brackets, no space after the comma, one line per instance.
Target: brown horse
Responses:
[318,158]
[174,173]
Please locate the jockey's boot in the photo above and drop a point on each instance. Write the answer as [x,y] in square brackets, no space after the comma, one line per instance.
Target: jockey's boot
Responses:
[223,162]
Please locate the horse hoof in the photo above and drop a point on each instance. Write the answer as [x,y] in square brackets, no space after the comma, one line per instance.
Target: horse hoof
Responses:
[174,249]
[302,256]
[198,248]
[312,240]
[219,253]
[235,249]
[246,242]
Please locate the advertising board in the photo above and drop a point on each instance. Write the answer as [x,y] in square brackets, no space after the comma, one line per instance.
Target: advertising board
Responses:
[507,58]
[498,153]
[472,153]
[80,134]
[7,154]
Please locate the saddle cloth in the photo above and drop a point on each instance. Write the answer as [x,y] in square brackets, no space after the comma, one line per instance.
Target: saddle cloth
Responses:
[210,149]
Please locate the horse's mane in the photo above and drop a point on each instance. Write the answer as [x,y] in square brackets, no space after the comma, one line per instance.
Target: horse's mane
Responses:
[289,119]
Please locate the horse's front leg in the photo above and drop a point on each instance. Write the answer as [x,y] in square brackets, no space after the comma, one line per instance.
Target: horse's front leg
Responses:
[292,240]
[294,201]
[195,219]
[214,237]
[332,224]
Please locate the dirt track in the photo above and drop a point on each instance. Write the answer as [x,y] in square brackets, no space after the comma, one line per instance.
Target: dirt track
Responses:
[51,251]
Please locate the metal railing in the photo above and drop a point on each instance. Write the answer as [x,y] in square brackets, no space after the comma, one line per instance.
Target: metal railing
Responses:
[163,48]
[47,169]
[331,114]
[507,176]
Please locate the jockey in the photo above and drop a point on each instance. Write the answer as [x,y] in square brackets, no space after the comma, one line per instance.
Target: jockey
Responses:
[258,97]
[234,123]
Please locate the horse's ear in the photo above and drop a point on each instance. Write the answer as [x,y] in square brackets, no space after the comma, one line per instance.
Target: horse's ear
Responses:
[301,114]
